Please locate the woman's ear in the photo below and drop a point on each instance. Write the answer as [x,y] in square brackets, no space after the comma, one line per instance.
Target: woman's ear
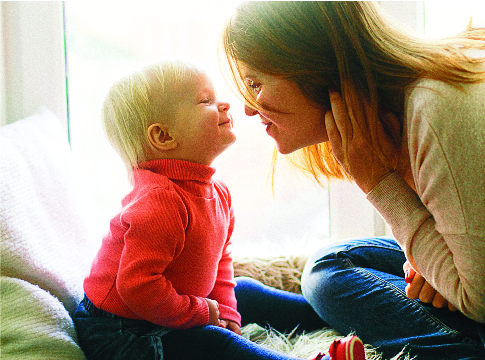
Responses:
[159,137]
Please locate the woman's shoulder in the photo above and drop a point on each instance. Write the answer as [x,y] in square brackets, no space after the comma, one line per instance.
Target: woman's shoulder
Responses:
[438,91]
[443,104]
[441,93]
[445,136]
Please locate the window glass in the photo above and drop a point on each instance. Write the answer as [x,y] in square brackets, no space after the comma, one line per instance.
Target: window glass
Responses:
[446,18]
[104,41]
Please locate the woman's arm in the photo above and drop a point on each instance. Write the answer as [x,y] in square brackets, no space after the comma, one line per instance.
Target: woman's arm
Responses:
[441,226]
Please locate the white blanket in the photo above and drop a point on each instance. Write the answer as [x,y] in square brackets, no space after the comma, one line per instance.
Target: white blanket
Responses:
[44,236]
[35,325]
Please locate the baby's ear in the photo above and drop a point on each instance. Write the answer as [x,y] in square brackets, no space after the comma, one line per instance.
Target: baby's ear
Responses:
[160,137]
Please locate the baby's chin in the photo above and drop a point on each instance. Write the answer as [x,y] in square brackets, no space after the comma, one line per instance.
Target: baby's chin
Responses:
[231,141]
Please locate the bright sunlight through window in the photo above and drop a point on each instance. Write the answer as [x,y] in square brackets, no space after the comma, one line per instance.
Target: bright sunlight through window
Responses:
[105,40]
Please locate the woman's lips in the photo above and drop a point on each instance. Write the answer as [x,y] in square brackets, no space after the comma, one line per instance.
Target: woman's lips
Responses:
[267,124]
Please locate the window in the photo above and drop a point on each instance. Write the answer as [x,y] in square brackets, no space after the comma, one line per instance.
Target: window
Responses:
[105,42]
[446,18]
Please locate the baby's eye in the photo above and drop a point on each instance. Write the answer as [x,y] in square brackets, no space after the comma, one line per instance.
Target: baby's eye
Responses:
[206,101]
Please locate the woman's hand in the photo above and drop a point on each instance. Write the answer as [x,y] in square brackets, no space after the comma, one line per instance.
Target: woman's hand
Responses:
[352,148]
[419,288]
[230,325]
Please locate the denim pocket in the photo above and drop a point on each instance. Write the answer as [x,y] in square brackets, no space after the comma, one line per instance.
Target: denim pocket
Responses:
[119,339]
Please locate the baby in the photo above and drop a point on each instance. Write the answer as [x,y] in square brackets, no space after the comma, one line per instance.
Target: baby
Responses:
[161,285]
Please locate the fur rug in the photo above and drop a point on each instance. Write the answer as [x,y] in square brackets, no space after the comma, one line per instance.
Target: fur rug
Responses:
[285,273]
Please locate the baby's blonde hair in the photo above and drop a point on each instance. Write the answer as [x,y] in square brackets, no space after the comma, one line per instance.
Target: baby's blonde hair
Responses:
[144,97]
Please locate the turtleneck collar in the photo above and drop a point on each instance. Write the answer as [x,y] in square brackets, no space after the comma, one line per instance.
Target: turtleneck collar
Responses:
[180,170]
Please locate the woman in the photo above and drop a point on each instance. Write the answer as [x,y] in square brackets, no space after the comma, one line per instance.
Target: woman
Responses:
[350,96]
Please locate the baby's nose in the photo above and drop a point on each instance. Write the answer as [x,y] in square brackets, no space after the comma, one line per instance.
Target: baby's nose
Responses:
[224,106]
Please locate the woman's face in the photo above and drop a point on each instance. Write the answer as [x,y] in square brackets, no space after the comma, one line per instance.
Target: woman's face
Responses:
[292,120]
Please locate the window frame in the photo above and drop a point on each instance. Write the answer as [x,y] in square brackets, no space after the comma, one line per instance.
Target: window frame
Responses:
[33,66]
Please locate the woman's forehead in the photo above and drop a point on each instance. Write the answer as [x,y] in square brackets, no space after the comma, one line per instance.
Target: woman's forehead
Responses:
[247,71]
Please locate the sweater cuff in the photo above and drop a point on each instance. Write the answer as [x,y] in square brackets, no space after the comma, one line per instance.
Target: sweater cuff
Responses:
[228,313]
[400,207]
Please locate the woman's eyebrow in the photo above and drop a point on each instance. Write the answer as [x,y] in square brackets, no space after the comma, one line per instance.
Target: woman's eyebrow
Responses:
[252,77]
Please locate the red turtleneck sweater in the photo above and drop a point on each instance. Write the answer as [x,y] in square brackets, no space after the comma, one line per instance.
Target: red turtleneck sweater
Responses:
[167,249]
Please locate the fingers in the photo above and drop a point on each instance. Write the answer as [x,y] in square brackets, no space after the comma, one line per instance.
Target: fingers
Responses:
[390,130]
[419,288]
[427,293]
[213,312]
[340,116]
[414,288]
[439,301]
[350,140]
[231,325]
[409,272]
[407,266]
[334,135]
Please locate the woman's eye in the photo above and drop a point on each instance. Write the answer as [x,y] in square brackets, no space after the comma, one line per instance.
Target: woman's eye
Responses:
[206,101]
[253,85]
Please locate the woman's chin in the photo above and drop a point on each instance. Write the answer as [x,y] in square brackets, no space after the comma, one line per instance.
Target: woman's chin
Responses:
[286,149]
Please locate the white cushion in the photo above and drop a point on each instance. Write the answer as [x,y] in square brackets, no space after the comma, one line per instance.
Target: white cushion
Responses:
[43,217]
[35,325]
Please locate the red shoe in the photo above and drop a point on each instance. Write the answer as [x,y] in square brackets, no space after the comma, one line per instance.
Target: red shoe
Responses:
[349,348]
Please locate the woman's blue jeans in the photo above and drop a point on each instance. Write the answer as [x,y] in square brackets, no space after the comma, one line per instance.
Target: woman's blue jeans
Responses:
[358,286]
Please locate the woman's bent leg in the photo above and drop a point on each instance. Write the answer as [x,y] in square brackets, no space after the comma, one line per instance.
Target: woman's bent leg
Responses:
[358,285]
[267,306]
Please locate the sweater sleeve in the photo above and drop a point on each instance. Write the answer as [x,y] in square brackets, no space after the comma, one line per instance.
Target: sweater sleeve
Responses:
[441,228]
[156,225]
[223,291]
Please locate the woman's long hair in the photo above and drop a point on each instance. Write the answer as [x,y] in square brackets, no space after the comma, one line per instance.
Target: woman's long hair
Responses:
[350,46]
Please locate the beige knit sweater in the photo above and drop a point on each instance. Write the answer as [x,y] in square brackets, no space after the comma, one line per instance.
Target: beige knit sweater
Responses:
[441,226]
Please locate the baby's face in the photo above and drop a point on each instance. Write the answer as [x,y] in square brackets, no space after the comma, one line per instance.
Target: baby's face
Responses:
[203,126]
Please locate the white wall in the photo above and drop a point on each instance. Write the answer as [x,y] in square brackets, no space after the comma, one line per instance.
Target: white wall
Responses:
[32,70]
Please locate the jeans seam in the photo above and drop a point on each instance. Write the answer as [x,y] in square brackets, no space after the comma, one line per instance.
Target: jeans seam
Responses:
[352,247]
[423,312]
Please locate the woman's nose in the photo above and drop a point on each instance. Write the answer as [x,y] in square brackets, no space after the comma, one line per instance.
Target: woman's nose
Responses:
[250,111]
